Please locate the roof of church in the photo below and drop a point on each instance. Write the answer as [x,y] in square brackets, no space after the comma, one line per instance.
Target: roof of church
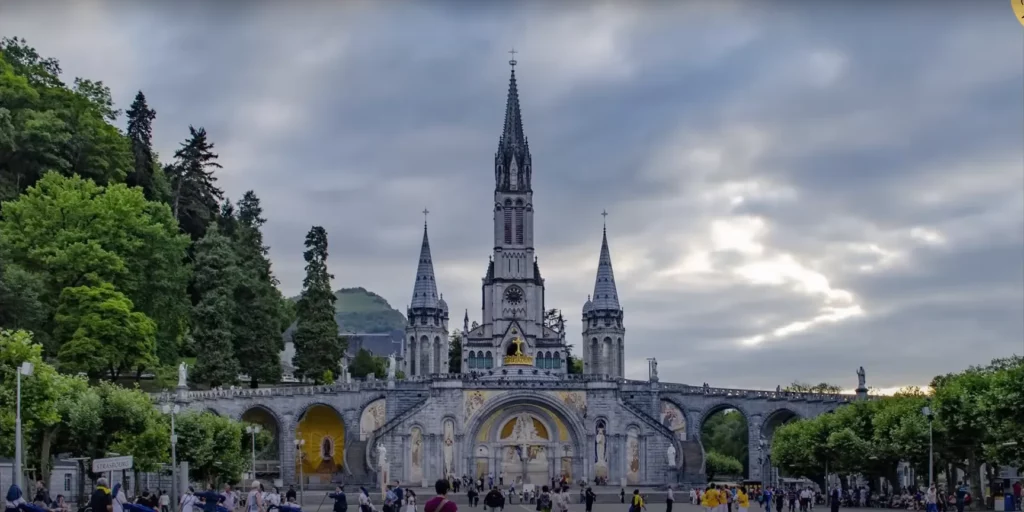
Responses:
[513,133]
[424,292]
[606,296]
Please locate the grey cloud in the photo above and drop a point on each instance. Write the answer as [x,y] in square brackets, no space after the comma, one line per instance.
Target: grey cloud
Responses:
[842,119]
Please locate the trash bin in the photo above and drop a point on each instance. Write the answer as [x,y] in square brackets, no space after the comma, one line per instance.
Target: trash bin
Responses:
[1009,502]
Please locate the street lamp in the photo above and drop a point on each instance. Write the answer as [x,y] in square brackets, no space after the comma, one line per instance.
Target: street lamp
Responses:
[173,410]
[254,430]
[927,411]
[25,369]
[299,443]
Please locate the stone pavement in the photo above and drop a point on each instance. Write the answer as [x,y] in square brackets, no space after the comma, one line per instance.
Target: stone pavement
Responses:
[656,504]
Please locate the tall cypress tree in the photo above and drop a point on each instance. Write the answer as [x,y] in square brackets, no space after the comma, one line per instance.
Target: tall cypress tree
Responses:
[195,197]
[318,348]
[258,340]
[214,281]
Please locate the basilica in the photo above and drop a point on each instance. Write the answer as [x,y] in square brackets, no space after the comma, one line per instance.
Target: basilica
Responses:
[515,412]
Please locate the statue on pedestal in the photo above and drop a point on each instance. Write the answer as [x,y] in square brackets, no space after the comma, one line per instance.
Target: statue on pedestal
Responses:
[671,454]
[392,366]
[382,455]
[182,375]
[861,380]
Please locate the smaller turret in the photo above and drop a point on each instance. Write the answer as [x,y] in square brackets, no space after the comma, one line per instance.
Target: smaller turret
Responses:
[603,332]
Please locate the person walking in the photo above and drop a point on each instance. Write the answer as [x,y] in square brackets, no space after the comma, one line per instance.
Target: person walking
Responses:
[835,498]
[962,491]
[588,500]
[188,500]
[670,498]
[637,505]
[365,505]
[742,500]
[254,500]
[340,500]
[410,500]
[164,501]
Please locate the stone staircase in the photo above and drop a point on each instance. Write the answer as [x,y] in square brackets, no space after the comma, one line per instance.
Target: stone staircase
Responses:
[692,472]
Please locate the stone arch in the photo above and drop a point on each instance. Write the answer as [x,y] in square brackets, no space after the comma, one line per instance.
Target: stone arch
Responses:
[674,418]
[269,421]
[496,412]
[213,411]
[713,409]
[594,351]
[372,416]
[417,453]
[322,429]
[776,419]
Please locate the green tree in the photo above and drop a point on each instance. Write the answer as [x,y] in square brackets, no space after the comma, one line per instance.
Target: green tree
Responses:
[213,447]
[717,464]
[50,127]
[258,341]
[21,305]
[318,347]
[1004,409]
[72,232]
[40,391]
[216,277]
[801,448]
[365,363]
[455,352]
[195,197]
[101,334]
[146,172]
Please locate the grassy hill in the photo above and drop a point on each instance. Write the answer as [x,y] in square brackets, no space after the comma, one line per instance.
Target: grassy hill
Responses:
[359,310]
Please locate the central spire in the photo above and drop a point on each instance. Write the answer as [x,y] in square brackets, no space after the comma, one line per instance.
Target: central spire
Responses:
[512,164]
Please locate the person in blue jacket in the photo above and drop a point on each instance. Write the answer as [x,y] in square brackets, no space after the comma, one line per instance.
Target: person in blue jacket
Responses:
[340,500]
[210,499]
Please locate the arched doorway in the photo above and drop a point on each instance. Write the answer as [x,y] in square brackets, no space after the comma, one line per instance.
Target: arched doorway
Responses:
[724,431]
[268,458]
[322,429]
[525,440]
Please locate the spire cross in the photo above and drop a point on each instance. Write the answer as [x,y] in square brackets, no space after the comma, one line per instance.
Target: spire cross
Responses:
[425,213]
[513,62]
[604,213]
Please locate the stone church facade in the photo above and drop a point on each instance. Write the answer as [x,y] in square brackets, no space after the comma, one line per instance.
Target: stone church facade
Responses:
[515,412]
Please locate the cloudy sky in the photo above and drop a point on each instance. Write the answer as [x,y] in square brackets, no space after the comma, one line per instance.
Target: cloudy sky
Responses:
[794,190]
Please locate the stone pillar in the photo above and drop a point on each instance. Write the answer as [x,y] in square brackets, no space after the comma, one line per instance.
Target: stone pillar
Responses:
[754,424]
[287,450]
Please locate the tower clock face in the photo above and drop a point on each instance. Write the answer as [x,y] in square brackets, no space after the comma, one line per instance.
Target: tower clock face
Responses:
[514,295]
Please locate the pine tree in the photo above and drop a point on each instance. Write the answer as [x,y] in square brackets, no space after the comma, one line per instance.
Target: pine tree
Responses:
[258,340]
[194,196]
[215,279]
[140,133]
[318,348]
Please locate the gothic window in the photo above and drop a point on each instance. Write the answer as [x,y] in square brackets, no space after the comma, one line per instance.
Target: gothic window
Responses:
[508,225]
[488,360]
[558,360]
[519,225]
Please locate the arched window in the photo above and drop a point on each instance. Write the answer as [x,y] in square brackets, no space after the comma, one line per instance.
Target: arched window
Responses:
[519,225]
[488,360]
[558,360]
[508,225]
[471,359]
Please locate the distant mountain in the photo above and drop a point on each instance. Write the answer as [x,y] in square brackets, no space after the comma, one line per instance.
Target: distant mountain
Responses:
[359,310]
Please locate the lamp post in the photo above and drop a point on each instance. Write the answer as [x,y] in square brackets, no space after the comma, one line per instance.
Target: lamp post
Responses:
[253,430]
[299,443]
[172,410]
[25,369]
[927,411]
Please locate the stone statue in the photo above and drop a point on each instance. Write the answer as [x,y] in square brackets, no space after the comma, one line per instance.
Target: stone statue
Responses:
[860,378]
[654,369]
[392,366]
[600,446]
[671,453]
[182,375]
[382,455]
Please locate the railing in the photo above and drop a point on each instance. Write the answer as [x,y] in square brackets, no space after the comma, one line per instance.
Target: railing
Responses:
[567,381]
[648,419]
